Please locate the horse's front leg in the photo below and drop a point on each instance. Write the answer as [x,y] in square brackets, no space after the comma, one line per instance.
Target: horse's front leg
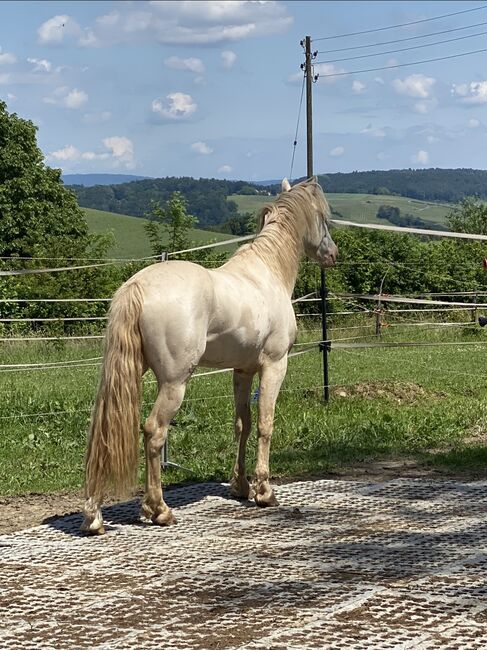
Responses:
[271,377]
[165,408]
[242,384]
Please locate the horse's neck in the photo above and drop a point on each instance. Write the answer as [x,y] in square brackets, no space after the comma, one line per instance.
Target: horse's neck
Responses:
[281,255]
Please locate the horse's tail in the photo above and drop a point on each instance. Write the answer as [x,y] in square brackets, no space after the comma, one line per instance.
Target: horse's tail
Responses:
[113,443]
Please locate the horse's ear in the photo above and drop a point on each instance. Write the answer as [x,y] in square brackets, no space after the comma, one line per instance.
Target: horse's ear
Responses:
[286,185]
[266,216]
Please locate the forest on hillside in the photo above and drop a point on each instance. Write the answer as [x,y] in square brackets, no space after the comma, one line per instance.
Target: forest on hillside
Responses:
[207,197]
[449,185]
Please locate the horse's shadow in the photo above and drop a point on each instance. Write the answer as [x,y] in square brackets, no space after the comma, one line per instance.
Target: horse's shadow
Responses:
[127,512]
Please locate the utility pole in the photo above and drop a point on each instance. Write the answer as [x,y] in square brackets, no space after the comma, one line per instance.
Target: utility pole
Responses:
[310,78]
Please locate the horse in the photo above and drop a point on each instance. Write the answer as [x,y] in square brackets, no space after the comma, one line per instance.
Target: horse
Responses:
[173,316]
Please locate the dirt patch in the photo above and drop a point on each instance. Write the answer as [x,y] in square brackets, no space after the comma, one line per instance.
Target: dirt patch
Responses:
[397,391]
[28,510]
[477,435]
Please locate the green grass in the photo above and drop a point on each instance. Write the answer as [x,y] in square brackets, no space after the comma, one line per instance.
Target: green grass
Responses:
[361,207]
[421,402]
[130,237]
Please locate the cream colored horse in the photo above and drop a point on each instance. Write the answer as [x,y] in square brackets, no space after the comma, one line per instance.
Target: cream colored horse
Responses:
[174,316]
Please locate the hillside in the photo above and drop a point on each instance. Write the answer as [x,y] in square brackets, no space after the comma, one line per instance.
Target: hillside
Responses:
[448,185]
[206,197]
[131,238]
[421,195]
[362,207]
[89,180]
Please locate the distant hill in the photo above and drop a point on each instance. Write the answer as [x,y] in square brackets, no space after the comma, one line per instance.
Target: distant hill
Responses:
[450,185]
[206,197]
[213,201]
[363,208]
[89,180]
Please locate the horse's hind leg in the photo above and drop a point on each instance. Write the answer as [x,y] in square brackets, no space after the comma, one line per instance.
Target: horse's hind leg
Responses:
[271,378]
[165,408]
[242,384]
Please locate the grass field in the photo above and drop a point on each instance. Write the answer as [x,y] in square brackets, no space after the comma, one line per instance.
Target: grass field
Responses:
[426,403]
[130,236]
[361,207]
[131,240]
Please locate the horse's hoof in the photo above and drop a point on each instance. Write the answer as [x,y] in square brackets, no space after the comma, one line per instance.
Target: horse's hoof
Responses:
[89,529]
[165,518]
[266,501]
[241,489]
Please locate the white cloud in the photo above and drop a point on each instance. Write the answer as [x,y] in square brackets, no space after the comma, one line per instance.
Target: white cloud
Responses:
[379,80]
[461,90]
[91,155]
[224,169]
[416,85]
[75,98]
[337,151]
[41,65]
[210,22]
[56,29]
[473,93]
[473,123]
[5,78]
[67,98]
[193,64]
[431,139]
[121,148]
[11,97]
[180,106]
[120,153]
[7,58]
[421,158]
[228,58]
[358,87]
[67,153]
[202,148]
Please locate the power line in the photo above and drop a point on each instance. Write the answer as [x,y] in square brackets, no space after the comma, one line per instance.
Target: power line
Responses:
[403,65]
[401,40]
[404,49]
[297,128]
[413,22]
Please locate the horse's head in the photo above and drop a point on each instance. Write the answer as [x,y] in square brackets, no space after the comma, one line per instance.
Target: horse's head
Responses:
[318,243]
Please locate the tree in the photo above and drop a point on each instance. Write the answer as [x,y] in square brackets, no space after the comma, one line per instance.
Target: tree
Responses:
[388,212]
[470,216]
[242,224]
[168,228]
[40,218]
[38,214]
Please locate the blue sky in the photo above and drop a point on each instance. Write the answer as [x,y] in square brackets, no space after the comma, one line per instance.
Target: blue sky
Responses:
[212,89]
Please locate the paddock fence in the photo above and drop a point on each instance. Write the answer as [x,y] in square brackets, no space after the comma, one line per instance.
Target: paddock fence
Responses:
[356,322]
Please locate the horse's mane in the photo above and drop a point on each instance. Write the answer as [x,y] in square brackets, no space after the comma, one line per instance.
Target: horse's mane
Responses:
[281,227]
